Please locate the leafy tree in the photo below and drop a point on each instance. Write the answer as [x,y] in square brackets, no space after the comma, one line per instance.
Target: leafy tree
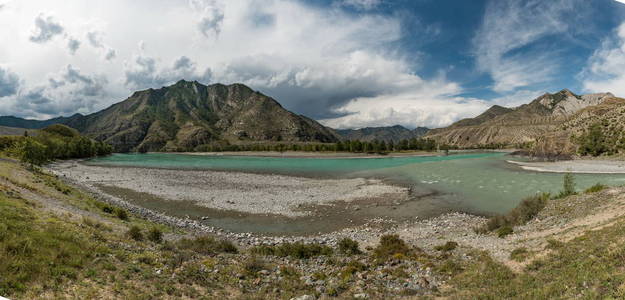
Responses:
[31,152]
[593,142]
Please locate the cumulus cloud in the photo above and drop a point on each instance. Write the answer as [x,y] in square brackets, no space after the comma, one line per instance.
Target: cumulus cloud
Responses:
[95,40]
[66,92]
[46,28]
[143,72]
[211,16]
[9,83]
[508,26]
[73,45]
[361,4]
[606,67]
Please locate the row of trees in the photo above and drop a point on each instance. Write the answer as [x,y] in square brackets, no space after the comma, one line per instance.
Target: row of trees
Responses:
[54,142]
[600,139]
[355,146]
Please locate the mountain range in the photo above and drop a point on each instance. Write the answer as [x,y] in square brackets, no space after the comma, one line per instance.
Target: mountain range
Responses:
[391,133]
[515,127]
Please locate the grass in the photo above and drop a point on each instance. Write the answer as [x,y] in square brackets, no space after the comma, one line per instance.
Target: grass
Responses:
[348,246]
[587,267]
[598,187]
[524,212]
[294,250]
[38,250]
[207,245]
[519,254]
[449,246]
[391,246]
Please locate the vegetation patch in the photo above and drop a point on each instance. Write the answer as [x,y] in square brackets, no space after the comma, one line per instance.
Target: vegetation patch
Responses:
[519,254]
[391,246]
[207,245]
[348,246]
[295,250]
[595,188]
[449,246]
[524,212]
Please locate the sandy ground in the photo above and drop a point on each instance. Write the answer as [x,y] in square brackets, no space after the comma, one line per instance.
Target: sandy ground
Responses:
[250,193]
[575,166]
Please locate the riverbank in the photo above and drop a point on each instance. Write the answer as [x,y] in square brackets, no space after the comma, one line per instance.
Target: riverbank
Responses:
[574,166]
[304,154]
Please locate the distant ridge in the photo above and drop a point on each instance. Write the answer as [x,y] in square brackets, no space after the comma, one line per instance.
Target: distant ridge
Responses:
[391,133]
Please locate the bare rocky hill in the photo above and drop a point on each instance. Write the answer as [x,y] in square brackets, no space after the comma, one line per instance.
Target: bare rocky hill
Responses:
[501,126]
[391,133]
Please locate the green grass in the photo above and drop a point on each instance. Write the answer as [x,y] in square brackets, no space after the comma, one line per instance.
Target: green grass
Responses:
[349,247]
[38,250]
[595,188]
[449,246]
[588,267]
[295,250]
[523,213]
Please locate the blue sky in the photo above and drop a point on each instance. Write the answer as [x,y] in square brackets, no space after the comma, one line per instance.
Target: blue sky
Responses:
[347,63]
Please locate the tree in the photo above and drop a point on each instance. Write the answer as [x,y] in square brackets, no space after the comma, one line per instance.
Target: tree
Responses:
[32,152]
[593,142]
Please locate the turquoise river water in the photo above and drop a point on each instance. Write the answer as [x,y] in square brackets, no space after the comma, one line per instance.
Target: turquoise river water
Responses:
[481,183]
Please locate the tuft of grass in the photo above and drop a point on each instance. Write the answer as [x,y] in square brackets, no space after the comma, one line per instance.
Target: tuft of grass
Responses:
[389,246]
[504,231]
[295,250]
[519,254]
[253,265]
[135,233]
[155,235]
[122,214]
[449,246]
[568,187]
[207,245]
[348,246]
[523,213]
[595,188]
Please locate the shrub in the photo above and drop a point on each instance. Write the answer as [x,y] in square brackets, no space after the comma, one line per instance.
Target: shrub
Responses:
[348,246]
[254,265]
[593,142]
[31,152]
[121,214]
[207,245]
[390,245]
[568,186]
[352,268]
[504,231]
[135,233]
[155,235]
[519,254]
[521,214]
[595,188]
[295,250]
[449,246]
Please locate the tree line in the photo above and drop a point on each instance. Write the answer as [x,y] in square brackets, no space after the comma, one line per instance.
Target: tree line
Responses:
[53,142]
[355,146]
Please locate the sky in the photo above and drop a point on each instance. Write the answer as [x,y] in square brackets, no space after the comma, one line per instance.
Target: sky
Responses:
[346,63]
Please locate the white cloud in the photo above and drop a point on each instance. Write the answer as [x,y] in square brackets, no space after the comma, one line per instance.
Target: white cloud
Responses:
[313,61]
[46,28]
[360,4]
[606,67]
[511,25]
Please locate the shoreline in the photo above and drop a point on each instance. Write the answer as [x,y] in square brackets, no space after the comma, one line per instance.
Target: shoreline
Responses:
[579,166]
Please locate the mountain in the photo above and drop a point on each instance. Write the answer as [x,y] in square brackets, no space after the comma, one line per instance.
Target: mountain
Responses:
[516,126]
[14,131]
[387,134]
[11,121]
[608,116]
[187,114]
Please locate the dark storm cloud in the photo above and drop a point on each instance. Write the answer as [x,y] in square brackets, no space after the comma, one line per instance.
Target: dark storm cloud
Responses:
[45,29]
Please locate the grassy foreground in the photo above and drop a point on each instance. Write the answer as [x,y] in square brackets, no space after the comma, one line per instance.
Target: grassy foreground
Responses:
[57,242]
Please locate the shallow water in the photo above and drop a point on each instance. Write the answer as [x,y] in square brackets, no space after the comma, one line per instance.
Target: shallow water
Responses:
[480,183]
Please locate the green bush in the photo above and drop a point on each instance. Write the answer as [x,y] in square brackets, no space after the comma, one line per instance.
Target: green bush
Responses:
[568,186]
[348,246]
[253,265]
[122,214]
[389,246]
[593,142]
[504,231]
[135,233]
[521,214]
[595,188]
[295,250]
[31,152]
[155,235]
[207,245]
[449,246]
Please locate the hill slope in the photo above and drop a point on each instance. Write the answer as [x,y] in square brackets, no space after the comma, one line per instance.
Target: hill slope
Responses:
[510,127]
[387,134]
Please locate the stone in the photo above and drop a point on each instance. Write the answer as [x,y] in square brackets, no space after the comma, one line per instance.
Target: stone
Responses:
[304,297]
[361,296]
